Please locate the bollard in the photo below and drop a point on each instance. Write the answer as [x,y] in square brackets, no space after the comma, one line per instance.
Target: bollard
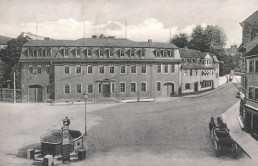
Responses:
[48,160]
[30,153]
[82,154]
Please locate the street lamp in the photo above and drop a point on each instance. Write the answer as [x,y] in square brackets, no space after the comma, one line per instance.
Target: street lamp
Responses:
[85,95]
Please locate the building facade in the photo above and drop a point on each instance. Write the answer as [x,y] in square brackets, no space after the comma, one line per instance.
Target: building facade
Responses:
[199,71]
[249,52]
[63,70]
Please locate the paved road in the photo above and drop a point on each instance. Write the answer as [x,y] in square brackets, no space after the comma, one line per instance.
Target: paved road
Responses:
[178,128]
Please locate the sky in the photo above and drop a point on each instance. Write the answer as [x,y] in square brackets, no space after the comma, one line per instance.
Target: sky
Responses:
[145,19]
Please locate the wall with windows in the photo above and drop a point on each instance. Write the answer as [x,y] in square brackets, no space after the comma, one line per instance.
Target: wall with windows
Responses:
[196,80]
[36,74]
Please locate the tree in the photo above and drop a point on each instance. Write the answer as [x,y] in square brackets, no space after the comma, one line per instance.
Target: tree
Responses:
[11,56]
[207,39]
[180,40]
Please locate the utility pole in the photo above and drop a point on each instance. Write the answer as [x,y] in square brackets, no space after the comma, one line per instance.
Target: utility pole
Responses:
[14,88]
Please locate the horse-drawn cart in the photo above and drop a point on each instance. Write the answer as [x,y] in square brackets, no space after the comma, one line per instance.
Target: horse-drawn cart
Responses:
[221,138]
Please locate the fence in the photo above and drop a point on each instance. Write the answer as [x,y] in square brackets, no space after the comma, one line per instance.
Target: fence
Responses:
[6,94]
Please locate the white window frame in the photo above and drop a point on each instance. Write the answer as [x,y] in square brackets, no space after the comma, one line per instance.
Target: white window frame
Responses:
[101,67]
[131,69]
[159,71]
[145,69]
[91,88]
[76,69]
[68,69]
[77,88]
[145,86]
[159,87]
[77,52]
[165,71]
[65,88]
[135,87]
[172,66]
[121,87]
[89,66]
[111,66]
[121,69]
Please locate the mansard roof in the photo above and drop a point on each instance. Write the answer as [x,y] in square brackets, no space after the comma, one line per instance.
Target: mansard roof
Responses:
[190,53]
[99,42]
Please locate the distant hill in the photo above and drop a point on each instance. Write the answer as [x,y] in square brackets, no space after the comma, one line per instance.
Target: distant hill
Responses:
[4,40]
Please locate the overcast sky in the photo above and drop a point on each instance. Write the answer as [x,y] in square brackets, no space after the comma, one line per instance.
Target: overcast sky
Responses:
[146,19]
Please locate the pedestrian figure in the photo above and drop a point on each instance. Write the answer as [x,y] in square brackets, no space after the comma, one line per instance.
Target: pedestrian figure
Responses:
[211,124]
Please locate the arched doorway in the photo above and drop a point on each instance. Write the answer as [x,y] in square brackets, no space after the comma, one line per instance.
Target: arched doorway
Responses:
[35,93]
[168,89]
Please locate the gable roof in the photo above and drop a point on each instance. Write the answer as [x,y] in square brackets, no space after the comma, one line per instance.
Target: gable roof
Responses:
[254,15]
[99,42]
[250,47]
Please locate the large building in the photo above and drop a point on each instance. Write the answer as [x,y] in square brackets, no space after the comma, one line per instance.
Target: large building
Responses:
[199,71]
[63,70]
[249,51]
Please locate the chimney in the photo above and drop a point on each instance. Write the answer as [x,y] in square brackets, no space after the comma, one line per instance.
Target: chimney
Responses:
[149,40]
[94,36]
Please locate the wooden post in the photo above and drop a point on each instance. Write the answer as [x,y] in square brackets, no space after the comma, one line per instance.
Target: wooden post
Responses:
[14,88]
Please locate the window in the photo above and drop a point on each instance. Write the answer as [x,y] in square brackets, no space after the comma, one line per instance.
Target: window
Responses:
[159,69]
[131,53]
[122,87]
[171,53]
[133,69]
[79,88]
[158,86]
[195,72]
[122,52]
[101,69]
[143,87]
[67,88]
[193,60]
[88,52]
[110,53]
[256,66]
[78,69]
[251,93]
[251,66]
[256,93]
[141,53]
[48,52]
[113,87]
[36,52]
[111,69]
[29,52]
[165,68]
[66,69]
[30,69]
[90,88]
[47,69]
[157,53]
[122,69]
[48,89]
[133,87]
[185,73]
[66,53]
[188,60]
[172,68]
[39,69]
[101,53]
[165,53]
[191,72]
[89,69]
[77,52]
[99,87]
[187,86]
[144,69]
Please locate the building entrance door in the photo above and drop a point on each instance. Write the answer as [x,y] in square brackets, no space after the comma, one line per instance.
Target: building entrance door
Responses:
[248,117]
[106,90]
[168,89]
[35,94]
[196,87]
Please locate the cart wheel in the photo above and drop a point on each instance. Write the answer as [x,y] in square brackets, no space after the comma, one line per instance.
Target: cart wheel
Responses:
[234,150]
[216,147]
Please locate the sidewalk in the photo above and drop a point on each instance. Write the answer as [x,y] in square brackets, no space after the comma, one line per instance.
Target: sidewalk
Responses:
[208,92]
[244,140]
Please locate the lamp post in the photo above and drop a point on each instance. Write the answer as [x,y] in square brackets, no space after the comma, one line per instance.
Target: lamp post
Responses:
[85,97]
